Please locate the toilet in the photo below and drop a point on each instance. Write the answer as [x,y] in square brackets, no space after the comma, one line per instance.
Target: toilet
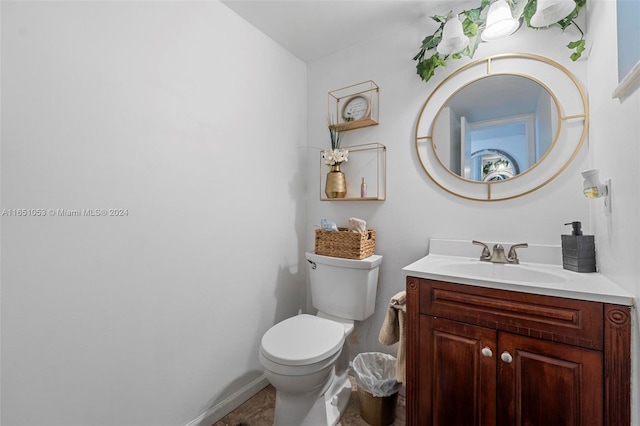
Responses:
[304,358]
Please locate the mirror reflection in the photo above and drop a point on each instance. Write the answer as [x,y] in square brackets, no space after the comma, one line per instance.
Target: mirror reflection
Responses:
[495,128]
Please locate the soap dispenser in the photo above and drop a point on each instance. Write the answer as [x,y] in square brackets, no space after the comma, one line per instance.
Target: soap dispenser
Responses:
[578,250]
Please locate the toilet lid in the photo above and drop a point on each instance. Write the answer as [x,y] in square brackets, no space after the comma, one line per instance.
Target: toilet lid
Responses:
[303,339]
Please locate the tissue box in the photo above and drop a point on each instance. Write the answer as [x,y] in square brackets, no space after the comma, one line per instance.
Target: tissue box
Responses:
[346,244]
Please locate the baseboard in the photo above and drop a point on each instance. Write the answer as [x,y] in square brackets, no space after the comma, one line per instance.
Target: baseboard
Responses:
[230,403]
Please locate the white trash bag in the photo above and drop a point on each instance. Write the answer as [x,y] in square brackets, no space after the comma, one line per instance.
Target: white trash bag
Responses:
[376,373]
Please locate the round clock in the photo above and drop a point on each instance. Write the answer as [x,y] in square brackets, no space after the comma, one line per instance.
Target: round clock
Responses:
[356,108]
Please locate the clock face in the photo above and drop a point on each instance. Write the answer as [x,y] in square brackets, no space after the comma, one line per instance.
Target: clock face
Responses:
[355,108]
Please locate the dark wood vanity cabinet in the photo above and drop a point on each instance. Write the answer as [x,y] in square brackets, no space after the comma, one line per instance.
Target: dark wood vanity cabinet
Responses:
[481,356]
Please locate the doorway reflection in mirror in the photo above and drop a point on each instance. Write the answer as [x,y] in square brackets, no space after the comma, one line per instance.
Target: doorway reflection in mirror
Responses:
[495,128]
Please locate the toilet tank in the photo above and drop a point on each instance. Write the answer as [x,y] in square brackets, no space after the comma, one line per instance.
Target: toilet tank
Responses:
[344,288]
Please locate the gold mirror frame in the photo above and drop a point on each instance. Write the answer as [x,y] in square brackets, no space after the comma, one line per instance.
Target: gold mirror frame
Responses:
[573,119]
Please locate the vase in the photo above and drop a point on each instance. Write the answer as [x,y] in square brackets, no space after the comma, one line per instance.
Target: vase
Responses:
[336,184]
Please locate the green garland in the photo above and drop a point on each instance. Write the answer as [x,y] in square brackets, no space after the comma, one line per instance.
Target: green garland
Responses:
[473,25]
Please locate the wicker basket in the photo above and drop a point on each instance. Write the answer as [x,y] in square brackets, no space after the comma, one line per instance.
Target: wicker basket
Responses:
[346,244]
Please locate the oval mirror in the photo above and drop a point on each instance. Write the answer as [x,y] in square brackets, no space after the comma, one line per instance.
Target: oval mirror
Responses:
[497,128]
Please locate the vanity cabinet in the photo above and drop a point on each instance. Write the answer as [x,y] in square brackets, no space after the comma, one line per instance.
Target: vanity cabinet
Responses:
[483,356]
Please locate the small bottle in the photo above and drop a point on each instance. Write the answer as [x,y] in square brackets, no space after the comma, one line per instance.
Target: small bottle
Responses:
[363,189]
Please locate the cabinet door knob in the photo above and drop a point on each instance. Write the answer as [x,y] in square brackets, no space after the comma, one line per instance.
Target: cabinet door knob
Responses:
[506,357]
[486,352]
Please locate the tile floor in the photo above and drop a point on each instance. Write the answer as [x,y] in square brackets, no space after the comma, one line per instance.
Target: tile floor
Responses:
[258,411]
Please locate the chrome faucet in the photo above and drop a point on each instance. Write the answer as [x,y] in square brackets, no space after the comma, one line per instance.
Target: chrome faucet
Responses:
[498,256]
[512,257]
[486,254]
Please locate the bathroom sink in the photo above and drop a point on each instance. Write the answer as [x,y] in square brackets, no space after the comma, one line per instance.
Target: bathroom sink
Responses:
[540,272]
[506,272]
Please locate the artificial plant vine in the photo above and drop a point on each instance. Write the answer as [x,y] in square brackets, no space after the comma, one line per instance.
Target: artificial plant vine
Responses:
[473,25]
[470,26]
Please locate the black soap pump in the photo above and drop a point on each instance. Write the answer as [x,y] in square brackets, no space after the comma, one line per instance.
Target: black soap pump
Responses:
[578,250]
[577,228]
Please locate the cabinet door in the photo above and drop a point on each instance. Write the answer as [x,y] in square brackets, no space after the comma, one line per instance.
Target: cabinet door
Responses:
[542,383]
[457,377]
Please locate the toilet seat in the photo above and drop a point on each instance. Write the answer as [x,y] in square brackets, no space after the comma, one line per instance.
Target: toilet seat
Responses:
[302,340]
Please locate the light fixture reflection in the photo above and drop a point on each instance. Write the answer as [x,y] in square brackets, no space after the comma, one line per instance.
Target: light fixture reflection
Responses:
[500,21]
[549,12]
[453,38]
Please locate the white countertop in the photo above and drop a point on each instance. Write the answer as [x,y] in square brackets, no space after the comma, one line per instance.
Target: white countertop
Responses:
[573,285]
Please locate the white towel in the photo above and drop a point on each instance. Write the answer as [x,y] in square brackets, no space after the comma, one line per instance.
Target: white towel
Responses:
[357,225]
[393,331]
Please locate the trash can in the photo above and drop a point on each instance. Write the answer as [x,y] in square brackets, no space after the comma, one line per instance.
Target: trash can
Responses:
[375,375]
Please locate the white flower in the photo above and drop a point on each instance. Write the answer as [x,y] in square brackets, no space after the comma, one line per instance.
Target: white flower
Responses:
[335,156]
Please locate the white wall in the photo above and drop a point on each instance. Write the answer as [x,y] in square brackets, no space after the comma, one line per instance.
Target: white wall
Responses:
[195,122]
[615,150]
[415,209]
[174,111]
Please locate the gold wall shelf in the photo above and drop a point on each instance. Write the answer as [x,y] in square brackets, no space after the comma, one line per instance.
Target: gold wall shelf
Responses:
[367,161]
[355,106]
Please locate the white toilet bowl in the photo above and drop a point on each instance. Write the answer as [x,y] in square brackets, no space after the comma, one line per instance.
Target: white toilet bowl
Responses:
[299,357]
[303,356]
